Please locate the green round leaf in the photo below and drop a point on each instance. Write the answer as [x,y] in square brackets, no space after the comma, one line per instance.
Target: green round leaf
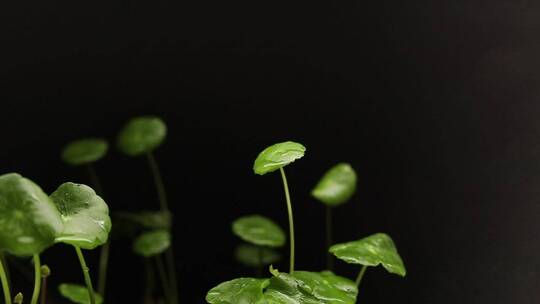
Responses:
[84,151]
[278,156]
[336,186]
[371,251]
[304,287]
[255,256]
[78,294]
[142,135]
[29,220]
[152,243]
[85,216]
[238,291]
[259,230]
[148,219]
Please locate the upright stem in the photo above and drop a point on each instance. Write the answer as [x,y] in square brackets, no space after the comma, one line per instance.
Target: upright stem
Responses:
[329,240]
[94,179]
[43,291]
[163,278]
[360,275]
[149,282]
[3,259]
[5,284]
[86,273]
[37,279]
[162,195]
[291,221]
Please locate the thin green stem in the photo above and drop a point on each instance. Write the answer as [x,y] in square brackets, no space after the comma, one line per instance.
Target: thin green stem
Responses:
[150,282]
[291,221]
[3,259]
[94,179]
[86,273]
[5,283]
[43,291]
[329,239]
[164,281]
[360,275]
[37,279]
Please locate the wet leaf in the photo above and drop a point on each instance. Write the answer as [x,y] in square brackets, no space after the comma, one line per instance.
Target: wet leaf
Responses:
[29,220]
[277,156]
[141,135]
[259,230]
[85,216]
[336,186]
[371,251]
[255,256]
[238,291]
[78,294]
[152,243]
[148,219]
[84,151]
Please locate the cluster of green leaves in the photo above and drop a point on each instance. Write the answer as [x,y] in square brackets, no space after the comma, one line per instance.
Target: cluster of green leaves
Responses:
[335,188]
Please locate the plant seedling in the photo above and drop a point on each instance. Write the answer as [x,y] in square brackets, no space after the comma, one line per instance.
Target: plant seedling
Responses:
[276,157]
[78,294]
[374,250]
[85,152]
[335,188]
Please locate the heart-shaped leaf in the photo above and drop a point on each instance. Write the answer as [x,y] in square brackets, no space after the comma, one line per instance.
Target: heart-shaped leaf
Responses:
[152,243]
[85,216]
[259,230]
[84,151]
[29,220]
[304,287]
[255,256]
[238,291]
[277,156]
[371,251]
[336,186]
[148,219]
[141,135]
[77,293]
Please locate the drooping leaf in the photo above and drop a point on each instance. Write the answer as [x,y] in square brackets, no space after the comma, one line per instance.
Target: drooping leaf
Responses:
[85,216]
[277,156]
[78,294]
[152,243]
[304,287]
[29,220]
[148,219]
[336,186]
[255,256]
[84,151]
[371,251]
[142,135]
[238,291]
[259,230]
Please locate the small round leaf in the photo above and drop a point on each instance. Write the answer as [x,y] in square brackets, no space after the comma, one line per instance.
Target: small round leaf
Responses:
[78,294]
[152,243]
[238,291]
[336,186]
[29,220]
[277,156]
[85,216]
[371,251]
[84,151]
[142,135]
[259,230]
[256,256]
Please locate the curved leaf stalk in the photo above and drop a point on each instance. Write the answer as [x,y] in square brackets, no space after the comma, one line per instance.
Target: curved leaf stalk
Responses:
[329,239]
[162,195]
[86,273]
[360,275]
[291,221]
[37,279]
[5,283]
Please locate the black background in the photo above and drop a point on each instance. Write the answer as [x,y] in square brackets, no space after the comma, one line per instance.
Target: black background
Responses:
[435,103]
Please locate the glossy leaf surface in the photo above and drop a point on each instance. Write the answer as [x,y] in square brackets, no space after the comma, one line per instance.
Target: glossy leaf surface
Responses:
[259,230]
[371,251]
[84,151]
[255,256]
[85,216]
[238,291]
[142,135]
[77,294]
[277,156]
[336,186]
[152,243]
[29,221]
[148,219]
